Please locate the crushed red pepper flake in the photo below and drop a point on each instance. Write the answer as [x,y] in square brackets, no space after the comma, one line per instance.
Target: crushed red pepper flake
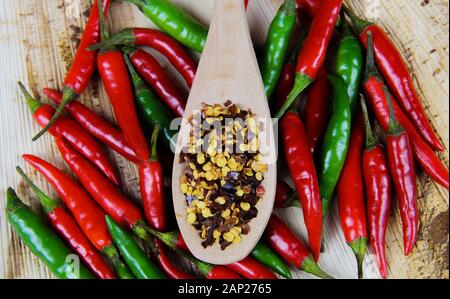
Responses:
[223,173]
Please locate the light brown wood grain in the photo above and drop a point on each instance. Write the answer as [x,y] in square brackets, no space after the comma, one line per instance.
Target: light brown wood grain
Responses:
[38,39]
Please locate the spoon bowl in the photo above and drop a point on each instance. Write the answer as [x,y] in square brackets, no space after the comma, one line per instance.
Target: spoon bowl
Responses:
[228,70]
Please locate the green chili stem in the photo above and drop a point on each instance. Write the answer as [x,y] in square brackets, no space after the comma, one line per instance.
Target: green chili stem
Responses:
[346,31]
[310,266]
[371,140]
[202,267]
[371,67]
[68,96]
[138,83]
[302,81]
[46,201]
[32,103]
[359,248]
[168,238]
[293,201]
[12,201]
[119,266]
[104,29]
[358,23]
[125,37]
[153,142]
[395,128]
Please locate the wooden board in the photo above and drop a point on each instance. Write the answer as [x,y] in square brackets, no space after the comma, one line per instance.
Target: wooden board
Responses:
[37,41]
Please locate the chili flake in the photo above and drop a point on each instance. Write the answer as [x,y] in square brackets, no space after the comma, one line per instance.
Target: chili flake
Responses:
[223,173]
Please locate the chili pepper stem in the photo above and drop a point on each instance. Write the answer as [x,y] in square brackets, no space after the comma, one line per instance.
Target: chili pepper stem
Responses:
[310,266]
[371,140]
[168,238]
[125,38]
[359,248]
[68,96]
[121,269]
[153,142]
[302,81]
[47,203]
[134,75]
[142,234]
[371,66]
[344,24]
[202,267]
[104,28]
[12,200]
[293,201]
[395,128]
[32,104]
[358,23]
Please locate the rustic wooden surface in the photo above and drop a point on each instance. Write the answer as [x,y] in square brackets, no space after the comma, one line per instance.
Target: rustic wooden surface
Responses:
[37,41]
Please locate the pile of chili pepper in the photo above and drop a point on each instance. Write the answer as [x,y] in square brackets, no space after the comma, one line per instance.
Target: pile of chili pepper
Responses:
[329,145]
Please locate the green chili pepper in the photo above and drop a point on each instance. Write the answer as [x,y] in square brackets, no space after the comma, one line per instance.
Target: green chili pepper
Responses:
[175,22]
[349,62]
[336,140]
[151,109]
[269,258]
[276,46]
[42,241]
[136,259]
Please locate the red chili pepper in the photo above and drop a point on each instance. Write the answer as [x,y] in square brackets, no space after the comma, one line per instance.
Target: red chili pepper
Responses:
[401,163]
[152,72]
[88,215]
[284,85]
[152,188]
[83,65]
[285,196]
[251,269]
[314,50]
[246,3]
[310,6]
[106,195]
[403,172]
[73,134]
[167,264]
[303,172]
[221,272]
[374,88]
[66,226]
[96,126]
[116,80]
[398,77]
[316,109]
[378,193]
[290,248]
[159,41]
[350,192]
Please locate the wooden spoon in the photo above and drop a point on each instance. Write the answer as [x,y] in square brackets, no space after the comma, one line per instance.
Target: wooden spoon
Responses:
[228,70]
